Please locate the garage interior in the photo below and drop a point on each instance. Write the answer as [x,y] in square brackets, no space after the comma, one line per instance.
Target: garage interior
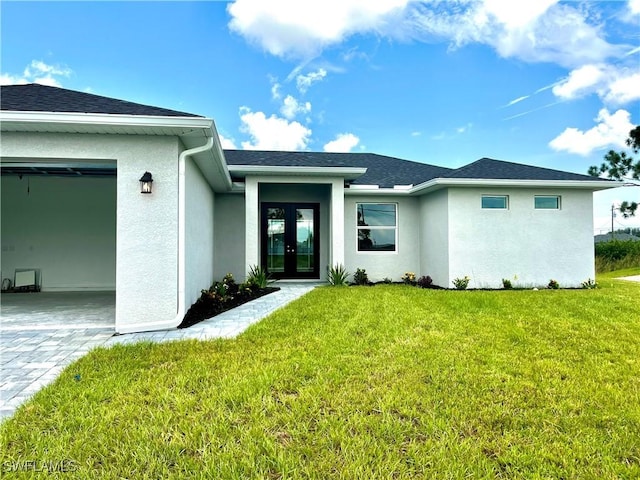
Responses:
[59,240]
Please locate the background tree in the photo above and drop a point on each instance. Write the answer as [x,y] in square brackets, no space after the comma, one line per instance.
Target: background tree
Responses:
[620,166]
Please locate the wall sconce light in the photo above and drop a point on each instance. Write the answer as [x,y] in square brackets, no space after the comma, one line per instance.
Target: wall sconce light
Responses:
[145,183]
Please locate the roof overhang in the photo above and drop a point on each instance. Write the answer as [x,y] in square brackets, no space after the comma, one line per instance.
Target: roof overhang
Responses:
[348,173]
[192,131]
[440,183]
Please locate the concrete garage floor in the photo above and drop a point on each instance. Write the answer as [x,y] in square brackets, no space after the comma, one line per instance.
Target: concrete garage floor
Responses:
[41,333]
[45,310]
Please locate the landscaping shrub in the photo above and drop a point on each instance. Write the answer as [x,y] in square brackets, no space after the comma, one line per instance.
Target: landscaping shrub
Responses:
[258,277]
[461,283]
[337,275]
[553,284]
[360,277]
[225,295]
[425,282]
[409,278]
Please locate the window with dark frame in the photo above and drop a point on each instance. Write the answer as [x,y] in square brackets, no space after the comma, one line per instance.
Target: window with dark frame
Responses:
[377,225]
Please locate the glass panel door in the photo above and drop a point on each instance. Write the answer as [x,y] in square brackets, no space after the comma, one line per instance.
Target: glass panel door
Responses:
[290,240]
[305,255]
[275,239]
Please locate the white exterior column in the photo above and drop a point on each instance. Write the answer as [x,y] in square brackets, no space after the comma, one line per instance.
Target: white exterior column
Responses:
[252,223]
[337,222]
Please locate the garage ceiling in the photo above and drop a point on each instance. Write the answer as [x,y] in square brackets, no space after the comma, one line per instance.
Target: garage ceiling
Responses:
[26,169]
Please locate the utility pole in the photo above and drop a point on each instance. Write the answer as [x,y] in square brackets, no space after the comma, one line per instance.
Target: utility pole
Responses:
[613,215]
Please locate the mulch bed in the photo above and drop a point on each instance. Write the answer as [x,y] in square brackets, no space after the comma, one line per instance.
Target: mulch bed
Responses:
[207,307]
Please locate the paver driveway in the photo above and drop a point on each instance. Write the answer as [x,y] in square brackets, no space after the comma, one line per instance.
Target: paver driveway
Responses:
[37,343]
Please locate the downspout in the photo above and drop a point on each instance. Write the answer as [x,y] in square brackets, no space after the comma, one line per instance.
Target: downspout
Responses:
[173,323]
[182,227]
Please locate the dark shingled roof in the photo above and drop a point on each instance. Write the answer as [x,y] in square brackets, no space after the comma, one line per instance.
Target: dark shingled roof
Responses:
[42,98]
[381,170]
[488,168]
[389,171]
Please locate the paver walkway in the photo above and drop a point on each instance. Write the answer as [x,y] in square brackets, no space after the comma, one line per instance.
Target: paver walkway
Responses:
[30,359]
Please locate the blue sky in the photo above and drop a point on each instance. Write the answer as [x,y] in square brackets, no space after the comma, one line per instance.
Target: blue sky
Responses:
[553,84]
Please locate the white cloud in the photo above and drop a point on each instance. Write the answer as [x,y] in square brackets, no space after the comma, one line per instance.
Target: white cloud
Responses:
[614,85]
[624,89]
[275,91]
[545,31]
[272,133]
[37,72]
[303,82]
[302,29]
[343,143]
[580,81]
[227,143]
[634,6]
[611,131]
[291,107]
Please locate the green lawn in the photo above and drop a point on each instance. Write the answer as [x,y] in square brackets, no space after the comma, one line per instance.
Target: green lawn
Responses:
[362,382]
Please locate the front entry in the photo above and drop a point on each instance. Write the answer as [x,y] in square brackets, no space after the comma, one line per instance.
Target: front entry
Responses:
[290,239]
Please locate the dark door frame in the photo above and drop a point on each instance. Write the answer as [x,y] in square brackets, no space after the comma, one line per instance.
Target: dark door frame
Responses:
[290,263]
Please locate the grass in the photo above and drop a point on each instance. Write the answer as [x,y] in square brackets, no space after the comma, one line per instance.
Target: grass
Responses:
[385,382]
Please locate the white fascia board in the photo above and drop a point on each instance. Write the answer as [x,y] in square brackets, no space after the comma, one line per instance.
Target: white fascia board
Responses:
[438,183]
[348,173]
[361,186]
[375,191]
[213,165]
[102,119]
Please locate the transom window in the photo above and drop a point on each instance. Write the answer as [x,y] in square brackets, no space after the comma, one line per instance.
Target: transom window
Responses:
[547,202]
[377,227]
[495,201]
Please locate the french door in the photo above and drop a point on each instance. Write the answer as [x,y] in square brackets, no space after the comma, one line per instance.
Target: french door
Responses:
[290,239]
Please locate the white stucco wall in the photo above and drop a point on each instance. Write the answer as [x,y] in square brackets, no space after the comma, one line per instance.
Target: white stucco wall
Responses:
[379,265]
[229,236]
[146,231]
[199,232]
[525,245]
[66,227]
[434,237]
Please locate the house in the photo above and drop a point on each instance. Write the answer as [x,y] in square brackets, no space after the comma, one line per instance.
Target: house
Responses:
[73,207]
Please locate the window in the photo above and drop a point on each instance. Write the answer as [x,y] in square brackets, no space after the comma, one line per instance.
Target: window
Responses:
[547,202]
[377,227]
[495,201]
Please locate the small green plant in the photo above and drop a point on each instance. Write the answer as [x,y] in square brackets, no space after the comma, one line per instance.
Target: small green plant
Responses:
[360,277]
[337,275]
[589,284]
[553,284]
[409,278]
[258,277]
[425,281]
[506,284]
[461,283]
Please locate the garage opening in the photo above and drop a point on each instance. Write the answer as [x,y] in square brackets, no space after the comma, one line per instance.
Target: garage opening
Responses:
[58,239]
